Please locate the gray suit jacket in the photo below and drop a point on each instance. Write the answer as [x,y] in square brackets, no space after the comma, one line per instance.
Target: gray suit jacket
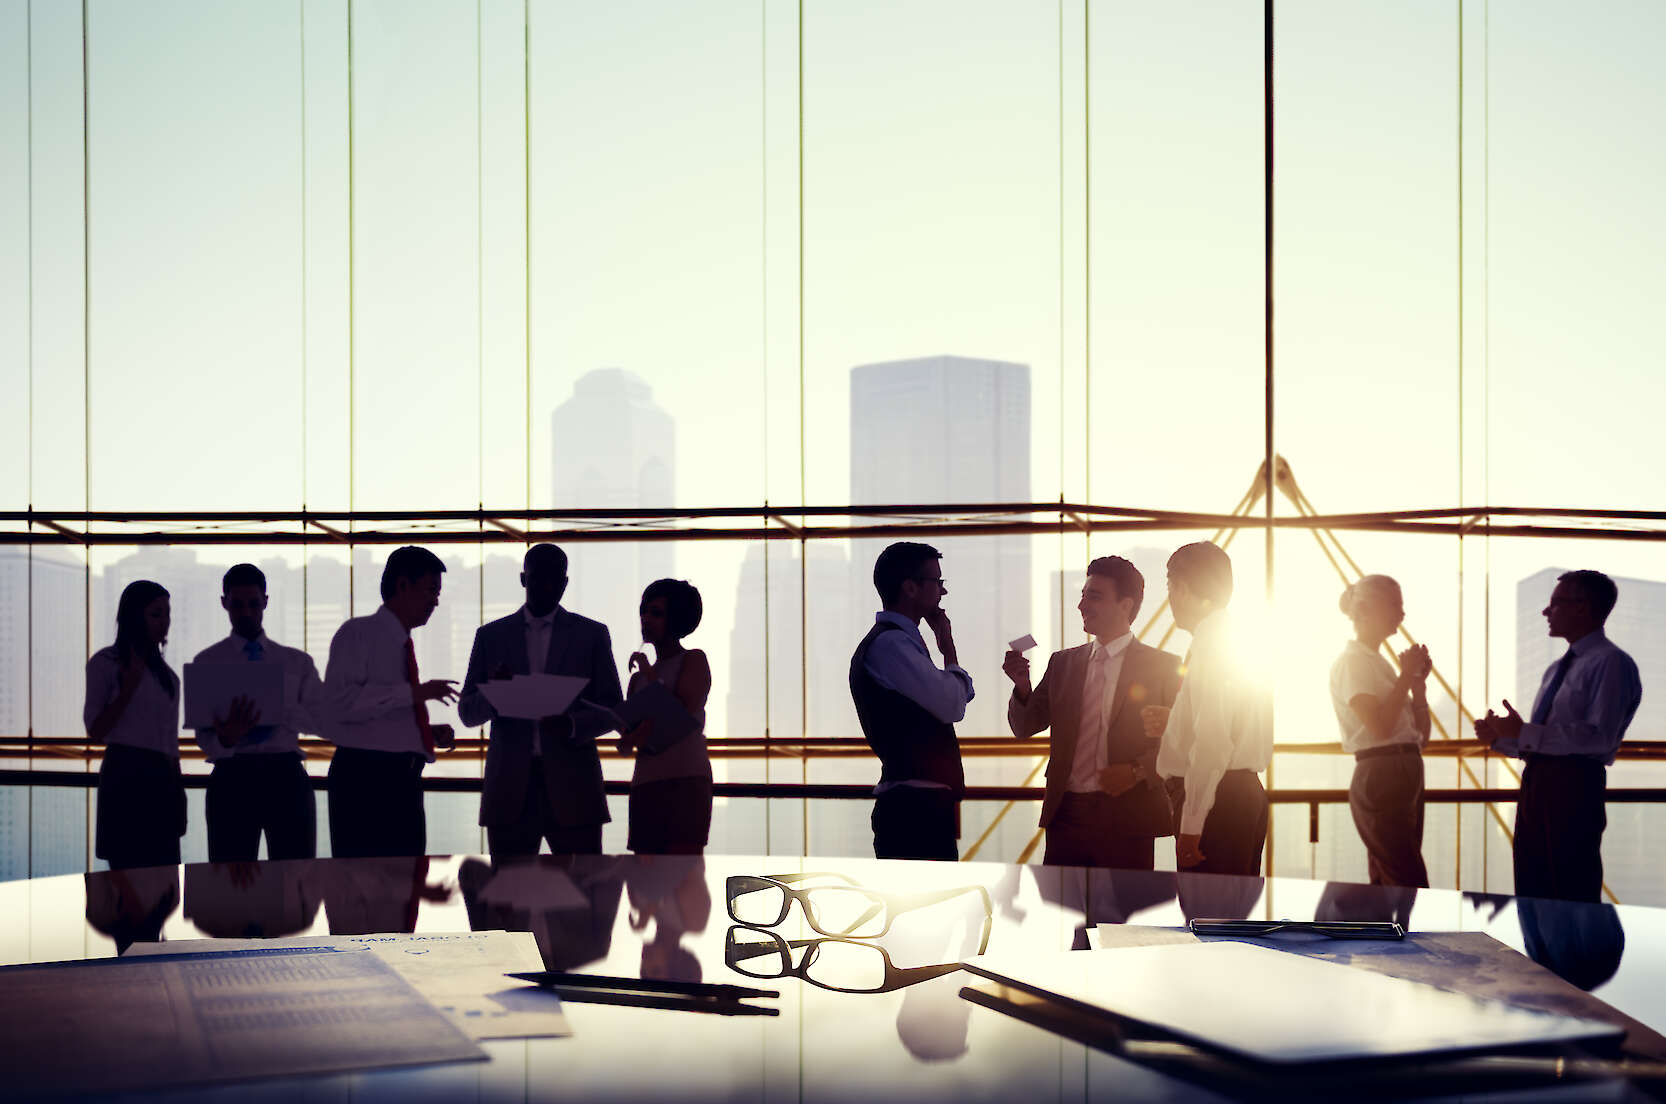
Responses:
[572,768]
[1149,677]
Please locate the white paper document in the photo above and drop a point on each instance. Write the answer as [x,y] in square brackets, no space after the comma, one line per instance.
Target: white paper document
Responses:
[210,688]
[1023,643]
[531,697]
[462,973]
[77,1028]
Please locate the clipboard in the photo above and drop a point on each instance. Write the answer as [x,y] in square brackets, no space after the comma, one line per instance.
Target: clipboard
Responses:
[654,701]
[210,688]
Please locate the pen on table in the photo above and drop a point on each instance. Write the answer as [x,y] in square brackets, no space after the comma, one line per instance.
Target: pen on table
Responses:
[551,978]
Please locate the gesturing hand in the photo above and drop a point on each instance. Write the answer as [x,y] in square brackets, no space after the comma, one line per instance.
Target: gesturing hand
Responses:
[440,690]
[1415,662]
[237,722]
[1017,669]
[639,662]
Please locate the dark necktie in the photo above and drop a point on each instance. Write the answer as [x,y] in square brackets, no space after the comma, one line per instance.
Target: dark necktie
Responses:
[1541,712]
[256,651]
[418,706]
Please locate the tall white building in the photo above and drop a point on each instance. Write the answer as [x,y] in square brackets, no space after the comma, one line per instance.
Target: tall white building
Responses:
[612,446]
[950,429]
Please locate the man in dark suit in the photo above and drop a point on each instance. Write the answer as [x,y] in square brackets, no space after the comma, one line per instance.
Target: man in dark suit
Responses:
[1105,805]
[543,778]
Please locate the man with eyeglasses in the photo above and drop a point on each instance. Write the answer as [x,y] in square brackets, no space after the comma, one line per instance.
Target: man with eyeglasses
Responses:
[908,707]
[1586,701]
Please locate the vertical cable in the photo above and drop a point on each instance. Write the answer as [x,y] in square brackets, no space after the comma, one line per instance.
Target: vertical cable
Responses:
[526,214]
[301,8]
[763,299]
[1486,386]
[1457,721]
[1087,265]
[29,433]
[1061,541]
[86,374]
[352,330]
[803,547]
[1268,455]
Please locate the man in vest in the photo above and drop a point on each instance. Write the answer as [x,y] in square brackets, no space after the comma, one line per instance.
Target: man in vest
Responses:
[908,707]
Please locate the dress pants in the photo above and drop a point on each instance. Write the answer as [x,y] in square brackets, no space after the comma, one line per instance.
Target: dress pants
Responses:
[1560,818]
[1386,797]
[376,804]
[141,808]
[537,824]
[913,822]
[251,794]
[1235,829]
[1083,833]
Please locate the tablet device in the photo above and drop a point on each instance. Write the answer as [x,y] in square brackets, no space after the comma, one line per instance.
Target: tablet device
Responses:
[1276,1008]
[210,688]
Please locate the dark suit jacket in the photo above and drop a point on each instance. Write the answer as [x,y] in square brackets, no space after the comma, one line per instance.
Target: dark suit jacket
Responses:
[1149,677]
[572,768]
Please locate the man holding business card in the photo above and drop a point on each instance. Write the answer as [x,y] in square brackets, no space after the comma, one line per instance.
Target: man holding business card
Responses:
[258,783]
[1105,805]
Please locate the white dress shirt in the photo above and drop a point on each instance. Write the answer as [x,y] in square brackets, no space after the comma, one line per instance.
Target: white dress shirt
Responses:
[1221,721]
[367,690]
[1361,670]
[1090,759]
[899,661]
[1593,707]
[303,695]
[151,719]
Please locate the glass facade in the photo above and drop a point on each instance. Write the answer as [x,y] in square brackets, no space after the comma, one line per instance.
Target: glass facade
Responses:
[459,255]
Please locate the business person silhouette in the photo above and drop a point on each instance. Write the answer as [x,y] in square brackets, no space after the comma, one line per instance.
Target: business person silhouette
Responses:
[1219,735]
[543,778]
[908,707]
[132,708]
[671,785]
[258,783]
[1105,805]
[376,713]
[1384,720]
[1585,703]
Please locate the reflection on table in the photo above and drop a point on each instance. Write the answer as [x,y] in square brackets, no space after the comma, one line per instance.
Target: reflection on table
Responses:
[864,953]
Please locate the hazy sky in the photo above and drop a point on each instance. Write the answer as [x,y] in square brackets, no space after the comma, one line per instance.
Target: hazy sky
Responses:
[975,181]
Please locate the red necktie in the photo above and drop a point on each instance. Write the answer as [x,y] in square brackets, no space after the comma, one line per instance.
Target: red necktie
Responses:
[418,706]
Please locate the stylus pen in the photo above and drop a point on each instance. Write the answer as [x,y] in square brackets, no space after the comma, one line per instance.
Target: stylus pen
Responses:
[671,1002]
[643,985]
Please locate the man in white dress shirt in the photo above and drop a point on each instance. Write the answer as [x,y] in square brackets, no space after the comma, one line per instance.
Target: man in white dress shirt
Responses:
[1219,735]
[376,713]
[258,783]
[1586,701]
[908,707]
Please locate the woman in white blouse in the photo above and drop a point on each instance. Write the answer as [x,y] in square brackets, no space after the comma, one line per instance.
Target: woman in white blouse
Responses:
[1384,719]
[132,708]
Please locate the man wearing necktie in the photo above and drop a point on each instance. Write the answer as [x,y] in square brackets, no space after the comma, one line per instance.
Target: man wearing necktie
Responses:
[1105,805]
[543,779]
[258,784]
[376,710]
[1585,702]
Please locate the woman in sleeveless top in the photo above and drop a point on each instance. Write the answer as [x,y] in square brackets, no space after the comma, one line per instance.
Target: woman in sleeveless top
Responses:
[1384,720]
[671,787]
[132,708]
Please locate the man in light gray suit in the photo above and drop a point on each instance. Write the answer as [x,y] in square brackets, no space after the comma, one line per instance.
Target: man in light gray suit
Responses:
[543,778]
[1105,805]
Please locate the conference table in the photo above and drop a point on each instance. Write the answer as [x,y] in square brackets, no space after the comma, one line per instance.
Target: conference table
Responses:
[874,1014]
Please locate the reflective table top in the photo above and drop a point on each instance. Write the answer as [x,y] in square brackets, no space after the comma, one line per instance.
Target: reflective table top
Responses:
[863,952]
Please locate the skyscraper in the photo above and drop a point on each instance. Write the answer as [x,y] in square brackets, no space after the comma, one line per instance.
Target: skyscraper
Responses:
[951,429]
[612,446]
